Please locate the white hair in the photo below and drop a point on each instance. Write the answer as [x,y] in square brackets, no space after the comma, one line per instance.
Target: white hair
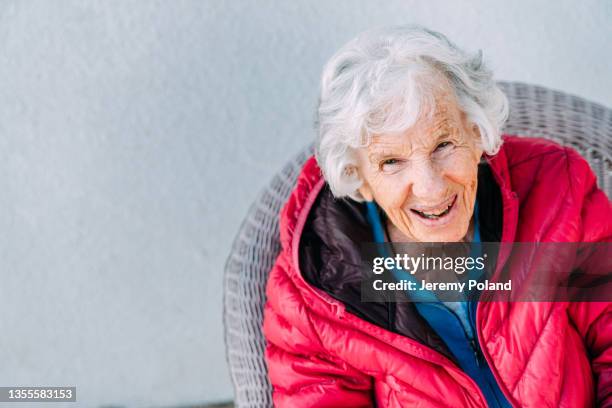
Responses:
[381,82]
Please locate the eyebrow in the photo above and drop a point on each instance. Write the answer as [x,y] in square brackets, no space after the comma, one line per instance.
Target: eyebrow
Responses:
[376,156]
[441,134]
[442,130]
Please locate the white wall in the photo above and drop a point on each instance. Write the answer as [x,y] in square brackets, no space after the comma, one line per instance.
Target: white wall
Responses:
[133,136]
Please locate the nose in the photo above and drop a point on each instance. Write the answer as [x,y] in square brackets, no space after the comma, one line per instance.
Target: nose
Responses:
[427,182]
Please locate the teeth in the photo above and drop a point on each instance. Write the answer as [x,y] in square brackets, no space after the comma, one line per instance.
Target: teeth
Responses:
[433,216]
[436,214]
[430,216]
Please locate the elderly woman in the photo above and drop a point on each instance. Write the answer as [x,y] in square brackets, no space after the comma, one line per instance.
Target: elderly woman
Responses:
[408,146]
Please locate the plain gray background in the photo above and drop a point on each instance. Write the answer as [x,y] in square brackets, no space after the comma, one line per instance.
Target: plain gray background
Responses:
[133,136]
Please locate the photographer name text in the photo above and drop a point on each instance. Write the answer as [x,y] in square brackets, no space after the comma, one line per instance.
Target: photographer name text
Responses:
[408,285]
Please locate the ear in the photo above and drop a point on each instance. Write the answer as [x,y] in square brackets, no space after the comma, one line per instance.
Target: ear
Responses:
[478,139]
[366,192]
[476,131]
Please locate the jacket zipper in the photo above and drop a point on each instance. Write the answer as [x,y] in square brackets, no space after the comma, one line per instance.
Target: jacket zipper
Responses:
[471,341]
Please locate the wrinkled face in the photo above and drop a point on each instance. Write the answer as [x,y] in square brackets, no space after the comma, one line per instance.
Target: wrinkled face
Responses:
[425,178]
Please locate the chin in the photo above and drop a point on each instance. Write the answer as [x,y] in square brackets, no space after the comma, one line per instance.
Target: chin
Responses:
[453,234]
[441,238]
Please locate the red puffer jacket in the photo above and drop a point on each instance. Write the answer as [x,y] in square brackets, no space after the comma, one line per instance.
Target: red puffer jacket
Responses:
[543,354]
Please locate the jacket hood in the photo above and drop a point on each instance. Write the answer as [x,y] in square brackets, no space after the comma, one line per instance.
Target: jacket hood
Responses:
[330,258]
[332,229]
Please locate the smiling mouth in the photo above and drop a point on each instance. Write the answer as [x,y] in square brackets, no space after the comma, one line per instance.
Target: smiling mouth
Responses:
[435,214]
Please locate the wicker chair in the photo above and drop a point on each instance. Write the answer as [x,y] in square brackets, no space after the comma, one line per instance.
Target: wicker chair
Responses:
[534,111]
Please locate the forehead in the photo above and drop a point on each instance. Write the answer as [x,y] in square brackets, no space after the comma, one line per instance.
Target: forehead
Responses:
[443,118]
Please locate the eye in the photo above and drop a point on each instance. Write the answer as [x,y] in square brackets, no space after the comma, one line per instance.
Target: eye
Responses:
[388,164]
[443,145]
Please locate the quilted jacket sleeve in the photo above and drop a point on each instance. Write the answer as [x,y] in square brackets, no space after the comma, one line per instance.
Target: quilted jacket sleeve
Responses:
[303,380]
[301,372]
[594,319]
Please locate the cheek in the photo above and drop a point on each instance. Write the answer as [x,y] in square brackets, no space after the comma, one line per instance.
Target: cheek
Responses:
[390,191]
[461,169]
